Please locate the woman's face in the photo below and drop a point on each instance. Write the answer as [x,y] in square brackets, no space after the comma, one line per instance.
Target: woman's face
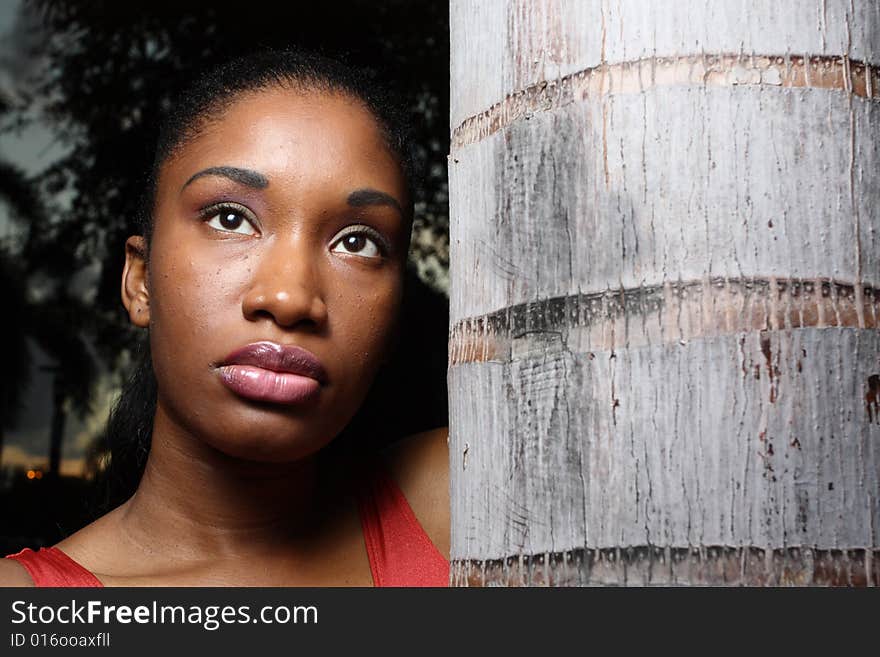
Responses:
[280,225]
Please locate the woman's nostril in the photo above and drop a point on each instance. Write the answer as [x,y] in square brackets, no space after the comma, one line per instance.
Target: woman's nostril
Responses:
[285,308]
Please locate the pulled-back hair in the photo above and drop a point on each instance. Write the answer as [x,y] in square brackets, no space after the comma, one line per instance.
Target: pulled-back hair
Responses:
[211,94]
[129,429]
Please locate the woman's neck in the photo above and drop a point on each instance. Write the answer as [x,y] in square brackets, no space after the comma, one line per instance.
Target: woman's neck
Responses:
[194,500]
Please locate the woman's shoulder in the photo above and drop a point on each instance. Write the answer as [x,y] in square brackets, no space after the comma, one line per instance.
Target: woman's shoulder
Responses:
[94,546]
[419,464]
[13,573]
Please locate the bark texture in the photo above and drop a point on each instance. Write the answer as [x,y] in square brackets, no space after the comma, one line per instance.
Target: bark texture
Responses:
[665,292]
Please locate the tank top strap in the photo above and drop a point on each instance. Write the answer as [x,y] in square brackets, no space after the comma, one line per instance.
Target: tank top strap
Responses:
[52,567]
[399,550]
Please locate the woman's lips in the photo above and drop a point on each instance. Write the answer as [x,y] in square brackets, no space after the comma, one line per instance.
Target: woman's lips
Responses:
[271,372]
[265,385]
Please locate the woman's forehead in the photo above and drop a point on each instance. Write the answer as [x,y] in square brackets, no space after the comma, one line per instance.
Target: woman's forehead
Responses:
[288,134]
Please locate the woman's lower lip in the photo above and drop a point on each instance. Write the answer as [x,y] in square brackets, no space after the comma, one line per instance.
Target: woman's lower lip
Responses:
[265,385]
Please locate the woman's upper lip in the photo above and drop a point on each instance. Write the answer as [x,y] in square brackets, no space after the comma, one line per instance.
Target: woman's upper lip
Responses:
[278,358]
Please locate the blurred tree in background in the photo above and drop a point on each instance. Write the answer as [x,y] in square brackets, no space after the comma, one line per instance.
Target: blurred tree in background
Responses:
[49,316]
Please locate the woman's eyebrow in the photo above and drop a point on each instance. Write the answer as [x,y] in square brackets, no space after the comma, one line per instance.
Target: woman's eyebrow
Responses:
[361,197]
[243,176]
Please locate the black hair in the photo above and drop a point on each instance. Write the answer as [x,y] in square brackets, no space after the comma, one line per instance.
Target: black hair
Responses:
[129,428]
[212,92]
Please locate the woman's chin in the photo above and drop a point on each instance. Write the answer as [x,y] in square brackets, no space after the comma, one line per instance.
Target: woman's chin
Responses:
[270,449]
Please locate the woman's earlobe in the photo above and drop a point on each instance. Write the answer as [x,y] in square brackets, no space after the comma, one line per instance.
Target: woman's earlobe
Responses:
[135,291]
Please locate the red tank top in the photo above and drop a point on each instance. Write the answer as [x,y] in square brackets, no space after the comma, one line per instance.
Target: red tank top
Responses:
[51,567]
[399,550]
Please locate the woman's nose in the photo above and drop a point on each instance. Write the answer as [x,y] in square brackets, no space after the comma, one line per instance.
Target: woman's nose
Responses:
[286,288]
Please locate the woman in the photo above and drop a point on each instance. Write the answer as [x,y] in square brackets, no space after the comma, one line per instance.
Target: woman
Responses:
[269,275]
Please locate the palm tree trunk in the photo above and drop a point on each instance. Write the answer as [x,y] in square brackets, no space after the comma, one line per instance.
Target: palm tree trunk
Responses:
[665,292]
[59,416]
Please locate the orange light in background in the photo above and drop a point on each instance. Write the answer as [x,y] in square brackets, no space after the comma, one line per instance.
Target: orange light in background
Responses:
[38,474]
[31,474]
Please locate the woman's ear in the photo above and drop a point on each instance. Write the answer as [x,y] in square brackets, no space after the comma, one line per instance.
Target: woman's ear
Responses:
[135,288]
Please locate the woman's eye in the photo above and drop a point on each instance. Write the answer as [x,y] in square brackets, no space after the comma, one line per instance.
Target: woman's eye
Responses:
[230,220]
[358,244]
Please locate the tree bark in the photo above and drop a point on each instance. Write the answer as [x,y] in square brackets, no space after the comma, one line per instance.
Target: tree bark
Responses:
[665,292]
[56,433]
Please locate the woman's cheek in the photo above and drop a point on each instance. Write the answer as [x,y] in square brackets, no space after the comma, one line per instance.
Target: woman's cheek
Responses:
[199,289]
